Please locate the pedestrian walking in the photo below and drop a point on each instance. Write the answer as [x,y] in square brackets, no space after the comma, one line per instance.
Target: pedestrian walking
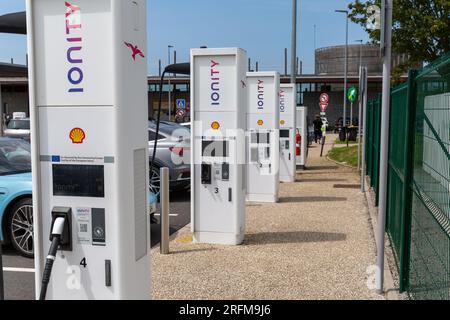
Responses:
[317,129]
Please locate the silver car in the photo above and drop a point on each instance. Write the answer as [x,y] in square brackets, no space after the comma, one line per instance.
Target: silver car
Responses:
[18,128]
[173,152]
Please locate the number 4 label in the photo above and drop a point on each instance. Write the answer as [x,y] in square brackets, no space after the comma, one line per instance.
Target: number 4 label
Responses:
[83,263]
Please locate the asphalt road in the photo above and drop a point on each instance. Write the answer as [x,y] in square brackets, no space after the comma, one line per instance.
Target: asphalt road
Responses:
[19,272]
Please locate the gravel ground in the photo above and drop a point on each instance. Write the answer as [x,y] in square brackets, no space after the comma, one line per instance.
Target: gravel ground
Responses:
[316,243]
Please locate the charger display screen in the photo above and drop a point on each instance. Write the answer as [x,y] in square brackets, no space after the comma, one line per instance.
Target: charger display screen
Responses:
[215,148]
[284,133]
[79,180]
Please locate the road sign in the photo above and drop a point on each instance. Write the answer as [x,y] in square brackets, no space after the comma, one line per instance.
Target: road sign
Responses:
[324,98]
[352,94]
[323,101]
[181,103]
[323,106]
[181,113]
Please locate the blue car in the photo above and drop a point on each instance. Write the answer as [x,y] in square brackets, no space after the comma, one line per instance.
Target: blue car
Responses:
[16,208]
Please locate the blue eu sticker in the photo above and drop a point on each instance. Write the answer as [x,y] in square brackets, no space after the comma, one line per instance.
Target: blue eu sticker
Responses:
[56,159]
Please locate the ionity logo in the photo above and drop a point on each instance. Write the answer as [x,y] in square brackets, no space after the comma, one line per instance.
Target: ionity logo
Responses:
[73,32]
[215,84]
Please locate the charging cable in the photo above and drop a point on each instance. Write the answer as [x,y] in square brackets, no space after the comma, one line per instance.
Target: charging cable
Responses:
[57,235]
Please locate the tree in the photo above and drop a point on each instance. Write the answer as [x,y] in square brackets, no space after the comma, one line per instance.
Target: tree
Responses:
[421,28]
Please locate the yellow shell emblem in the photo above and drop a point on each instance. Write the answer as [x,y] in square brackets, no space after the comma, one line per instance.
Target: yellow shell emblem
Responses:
[282,122]
[260,122]
[77,135]
[215,125]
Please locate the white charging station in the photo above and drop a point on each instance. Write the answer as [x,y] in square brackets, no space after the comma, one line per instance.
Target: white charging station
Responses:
[288,104]
[263,123]
[88,99]
[218,100]
[302,129]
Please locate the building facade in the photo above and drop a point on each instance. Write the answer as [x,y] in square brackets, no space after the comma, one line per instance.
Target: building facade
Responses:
[328,78]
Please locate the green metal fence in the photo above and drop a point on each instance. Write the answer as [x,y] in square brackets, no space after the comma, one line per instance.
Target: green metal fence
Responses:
[399,150]
[373,143]
[430,214]
[418,202]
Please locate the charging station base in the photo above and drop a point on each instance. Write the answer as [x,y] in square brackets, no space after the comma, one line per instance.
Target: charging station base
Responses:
[271,198]
[218,238]
[287,179]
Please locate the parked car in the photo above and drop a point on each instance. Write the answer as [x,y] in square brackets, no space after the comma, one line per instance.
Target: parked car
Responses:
[16,208]
[173,152]
[186,125]
[18,128]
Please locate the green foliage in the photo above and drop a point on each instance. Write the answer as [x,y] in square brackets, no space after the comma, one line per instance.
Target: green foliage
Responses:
[421,28]
[344,155]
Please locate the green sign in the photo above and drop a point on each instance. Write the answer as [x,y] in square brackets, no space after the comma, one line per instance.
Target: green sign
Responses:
[352,94]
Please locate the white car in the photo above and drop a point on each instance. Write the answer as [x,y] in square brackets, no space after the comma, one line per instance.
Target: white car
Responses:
[18,128]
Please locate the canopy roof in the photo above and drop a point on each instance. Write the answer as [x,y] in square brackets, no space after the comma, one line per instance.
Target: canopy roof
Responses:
[14,23]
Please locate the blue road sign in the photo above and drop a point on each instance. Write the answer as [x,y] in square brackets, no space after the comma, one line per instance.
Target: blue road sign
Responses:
[181,103]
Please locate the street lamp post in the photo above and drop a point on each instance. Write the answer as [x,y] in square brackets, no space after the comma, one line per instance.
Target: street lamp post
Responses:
[294,42]
[359,66]
[315,37]
[170,87]
[344,120]
[387,5]
[360,52]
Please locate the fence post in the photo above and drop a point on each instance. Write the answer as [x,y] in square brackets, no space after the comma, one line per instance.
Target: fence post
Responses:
[369,140]
[164,182]
[405,243]
[363,131]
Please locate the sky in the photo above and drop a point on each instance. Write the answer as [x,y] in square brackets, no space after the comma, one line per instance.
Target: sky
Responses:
[262,27]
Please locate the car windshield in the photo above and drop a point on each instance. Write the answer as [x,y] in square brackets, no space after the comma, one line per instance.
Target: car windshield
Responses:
[19,124]
[15,157]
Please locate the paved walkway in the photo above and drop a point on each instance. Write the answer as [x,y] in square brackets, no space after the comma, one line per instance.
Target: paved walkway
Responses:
[317,243]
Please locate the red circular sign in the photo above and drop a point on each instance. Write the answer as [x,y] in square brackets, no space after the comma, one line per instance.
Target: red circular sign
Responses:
[324,98]
[181,113]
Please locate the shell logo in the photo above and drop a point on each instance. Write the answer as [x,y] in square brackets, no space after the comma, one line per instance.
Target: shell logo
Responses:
[260,122]
[215,125]
[282,122]
[77,135]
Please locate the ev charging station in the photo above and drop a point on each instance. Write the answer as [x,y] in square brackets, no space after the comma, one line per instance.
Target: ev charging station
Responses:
[88,99]
[302,129]
[263,120]
[218,100]
[288,103]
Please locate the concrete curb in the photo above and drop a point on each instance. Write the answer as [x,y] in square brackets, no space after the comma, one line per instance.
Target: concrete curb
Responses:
[341,164]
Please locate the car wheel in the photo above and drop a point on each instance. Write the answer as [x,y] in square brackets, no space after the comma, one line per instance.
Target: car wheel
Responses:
[155,182]
[20,227]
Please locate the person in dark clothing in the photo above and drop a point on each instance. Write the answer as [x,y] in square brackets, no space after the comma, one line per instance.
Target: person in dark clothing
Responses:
[317,128]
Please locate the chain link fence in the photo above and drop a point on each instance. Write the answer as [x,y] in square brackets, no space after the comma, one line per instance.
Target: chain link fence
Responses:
[418,211]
